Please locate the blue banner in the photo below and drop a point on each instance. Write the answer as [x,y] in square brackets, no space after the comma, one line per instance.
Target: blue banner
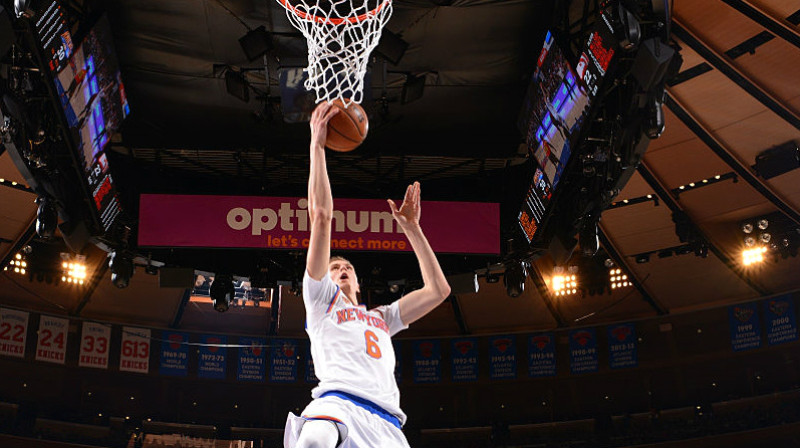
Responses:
[583,351]
[311,376]
[781,320]
[541,355]
[427,361]
[252,360]
[174,354]
[622,346]
[745,328]
[398,350]
[212,360]
[465,359]
[502,357]
[283,361]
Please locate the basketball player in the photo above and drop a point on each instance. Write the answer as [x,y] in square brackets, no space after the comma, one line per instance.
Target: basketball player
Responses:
[357,403]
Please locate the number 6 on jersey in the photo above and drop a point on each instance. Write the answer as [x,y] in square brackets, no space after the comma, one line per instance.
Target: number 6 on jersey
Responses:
[371,340]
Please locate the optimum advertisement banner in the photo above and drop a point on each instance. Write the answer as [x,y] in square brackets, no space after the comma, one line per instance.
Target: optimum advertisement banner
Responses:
[745,328]
[282,223]
[502,357]
[780,319]
[212,359]
[541,355]
[427,361]
[464,356]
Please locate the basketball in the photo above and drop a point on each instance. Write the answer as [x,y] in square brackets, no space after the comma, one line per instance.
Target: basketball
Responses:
[348,128]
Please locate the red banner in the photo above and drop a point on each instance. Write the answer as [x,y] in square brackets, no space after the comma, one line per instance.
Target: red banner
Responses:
[135,350]
[94,345]
[13,332]
[282,223]
[52,343]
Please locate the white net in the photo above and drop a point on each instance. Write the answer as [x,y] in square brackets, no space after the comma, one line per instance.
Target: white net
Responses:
[341,34]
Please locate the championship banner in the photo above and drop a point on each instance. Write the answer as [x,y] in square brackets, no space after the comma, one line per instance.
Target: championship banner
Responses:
[283,361]
[252,360]
[13,332]
[174,354]
[583,356]
[282,223]
[622,346]
[541,355]
[464,355]
[95,340]
[398,353]
[212,360]
[781,321]
[135,352]
[52,342]
[427,361]
[311,374]
[502,357]
[745,328]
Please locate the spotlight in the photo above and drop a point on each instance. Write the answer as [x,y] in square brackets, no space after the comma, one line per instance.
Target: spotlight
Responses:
[765,237]
[514,278]
[753,256]
[749,241]
[121,265]
[46,217]
[564,284]
[222,292]
[642,258]
[588,238]
[747,227]
[763,224]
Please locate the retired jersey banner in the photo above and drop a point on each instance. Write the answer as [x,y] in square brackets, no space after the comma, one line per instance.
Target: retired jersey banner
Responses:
[95,342]
[502,357]
[212,359]
[311,374]
[781,321]
[398,353]
[541,355]
[282,223]
[13,332]
[174,354]
[427,361]
[464,355]
[583,356]
[252,360]
[135,352]
[622,346]
[52,343]
[283,361]
[745,328]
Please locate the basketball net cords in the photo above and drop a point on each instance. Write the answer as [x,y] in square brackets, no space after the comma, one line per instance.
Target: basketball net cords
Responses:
[339,44]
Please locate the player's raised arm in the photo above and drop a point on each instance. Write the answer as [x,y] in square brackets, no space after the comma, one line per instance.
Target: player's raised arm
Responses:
[320,200]
[435,289]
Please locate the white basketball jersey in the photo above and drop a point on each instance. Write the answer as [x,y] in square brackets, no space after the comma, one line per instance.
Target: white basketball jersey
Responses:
[352,346]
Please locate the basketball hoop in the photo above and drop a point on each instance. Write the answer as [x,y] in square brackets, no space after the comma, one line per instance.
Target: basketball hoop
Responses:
[341,34]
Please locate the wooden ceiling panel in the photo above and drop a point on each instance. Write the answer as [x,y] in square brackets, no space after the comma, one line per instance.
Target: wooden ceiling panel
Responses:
[716,23]
[774,66]
[754,134]
[779,9]
[705,203]
[8,170]
[636,187]
[675,133]
[640,228]
[703,97]
[492,310]
[691,161]
[623,303]
[18,291]
[686,281]
[143,302]
[788,185]
[16,213]
[779,275]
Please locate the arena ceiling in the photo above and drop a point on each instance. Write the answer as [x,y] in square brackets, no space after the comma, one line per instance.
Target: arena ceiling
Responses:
[737,95]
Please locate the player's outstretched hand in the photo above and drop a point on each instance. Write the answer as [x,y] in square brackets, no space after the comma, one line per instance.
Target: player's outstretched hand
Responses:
[410,210]
[319,122]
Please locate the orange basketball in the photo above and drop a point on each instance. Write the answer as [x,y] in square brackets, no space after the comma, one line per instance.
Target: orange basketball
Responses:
[348,128]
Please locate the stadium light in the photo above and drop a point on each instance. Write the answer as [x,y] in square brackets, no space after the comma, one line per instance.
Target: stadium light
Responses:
[753,256]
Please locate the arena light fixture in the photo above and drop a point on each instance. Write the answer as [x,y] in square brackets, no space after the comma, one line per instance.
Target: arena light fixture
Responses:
[121,265]
[754,255]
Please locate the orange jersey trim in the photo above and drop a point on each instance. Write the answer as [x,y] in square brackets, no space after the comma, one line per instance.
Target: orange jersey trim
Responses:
[333,300]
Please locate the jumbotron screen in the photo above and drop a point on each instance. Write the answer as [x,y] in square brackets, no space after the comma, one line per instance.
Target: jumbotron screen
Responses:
[93,97]
[554,110]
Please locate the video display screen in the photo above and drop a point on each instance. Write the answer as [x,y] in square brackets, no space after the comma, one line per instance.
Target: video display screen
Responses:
[54,35]
[93,97]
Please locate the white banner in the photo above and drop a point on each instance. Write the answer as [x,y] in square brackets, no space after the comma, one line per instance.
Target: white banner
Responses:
[13,332]
[135,351]
[95,340]
[52,342]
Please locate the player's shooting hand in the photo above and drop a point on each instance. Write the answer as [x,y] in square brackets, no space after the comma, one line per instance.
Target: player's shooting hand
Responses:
[410,210]
[319,122]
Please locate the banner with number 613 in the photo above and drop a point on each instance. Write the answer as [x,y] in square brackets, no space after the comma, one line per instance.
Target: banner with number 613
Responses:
[135,352]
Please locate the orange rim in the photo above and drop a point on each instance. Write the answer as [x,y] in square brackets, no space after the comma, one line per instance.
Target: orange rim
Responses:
[336,20]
